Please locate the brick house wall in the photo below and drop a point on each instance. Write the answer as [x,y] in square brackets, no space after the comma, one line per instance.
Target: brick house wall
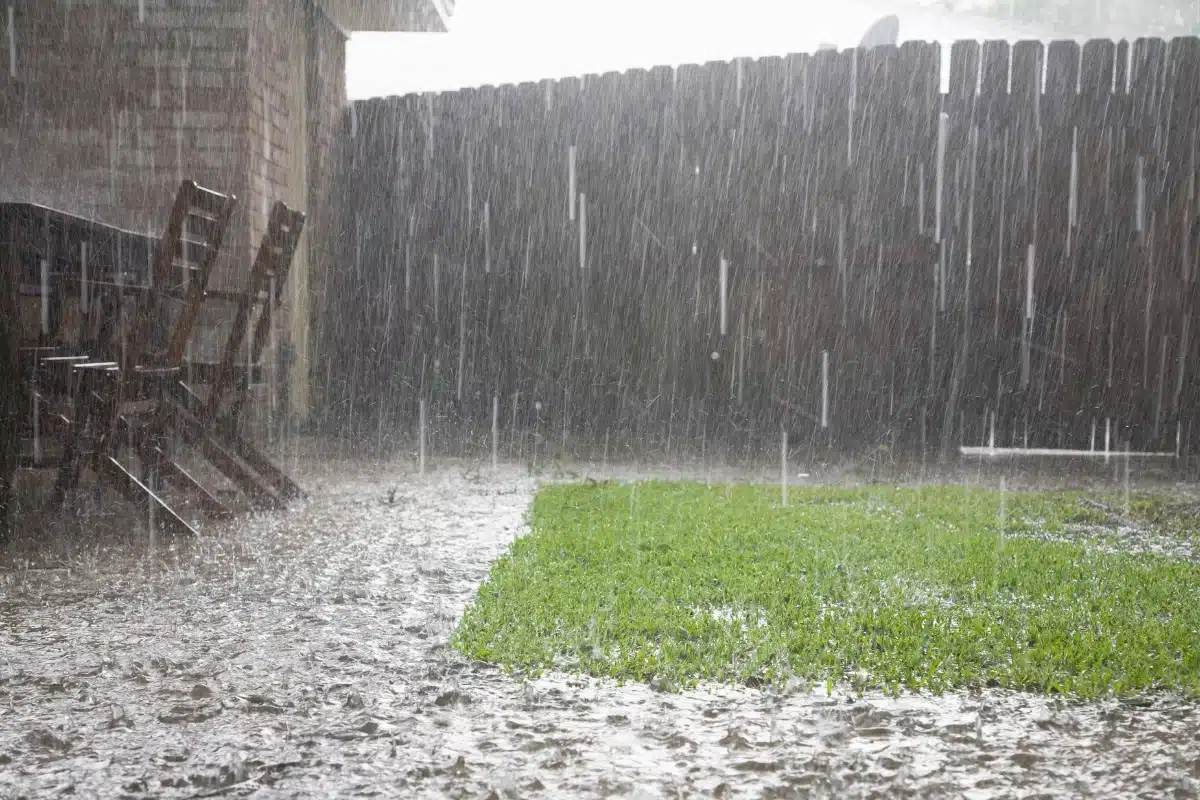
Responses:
[104,109]
[326,135]
[297,93]
[106,105]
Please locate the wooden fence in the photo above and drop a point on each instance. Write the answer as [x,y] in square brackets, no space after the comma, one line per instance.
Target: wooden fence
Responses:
[826,243]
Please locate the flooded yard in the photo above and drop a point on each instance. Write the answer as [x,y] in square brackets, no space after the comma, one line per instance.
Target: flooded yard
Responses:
[305,653]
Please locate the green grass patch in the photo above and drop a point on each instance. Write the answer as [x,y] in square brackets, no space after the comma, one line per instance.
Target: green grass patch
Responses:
[1171,515]
[879,587]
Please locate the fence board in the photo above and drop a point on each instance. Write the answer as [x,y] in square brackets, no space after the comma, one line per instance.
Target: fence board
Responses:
[1179,179]
[1096,196]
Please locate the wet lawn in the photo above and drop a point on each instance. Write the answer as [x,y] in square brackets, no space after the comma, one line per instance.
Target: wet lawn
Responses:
[902,589]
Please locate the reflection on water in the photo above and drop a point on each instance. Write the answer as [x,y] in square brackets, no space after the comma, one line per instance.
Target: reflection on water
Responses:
[305,653]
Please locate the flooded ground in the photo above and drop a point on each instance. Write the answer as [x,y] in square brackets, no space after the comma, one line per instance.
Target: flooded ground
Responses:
[305,653]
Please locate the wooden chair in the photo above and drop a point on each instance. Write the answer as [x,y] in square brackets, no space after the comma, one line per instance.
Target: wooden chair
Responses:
[219,413]
[141,388]
[209,422]
[107,394]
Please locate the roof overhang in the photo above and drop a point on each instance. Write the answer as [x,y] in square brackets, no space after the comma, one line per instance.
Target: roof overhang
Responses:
[390,15]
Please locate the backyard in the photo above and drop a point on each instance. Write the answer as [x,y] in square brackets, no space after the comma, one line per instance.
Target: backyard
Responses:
[640,631]
[762,418]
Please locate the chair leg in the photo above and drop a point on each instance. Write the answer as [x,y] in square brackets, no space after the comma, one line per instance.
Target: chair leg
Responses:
[6,496]
[10,452]
[286,487]
[180,478]
[259,493]
[158,467]
[71,465]
[137,492]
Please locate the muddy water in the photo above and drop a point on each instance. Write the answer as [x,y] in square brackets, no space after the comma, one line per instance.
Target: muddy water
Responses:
[305,654]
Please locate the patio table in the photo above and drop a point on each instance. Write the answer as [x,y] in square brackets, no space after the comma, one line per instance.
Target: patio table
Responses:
[41,249]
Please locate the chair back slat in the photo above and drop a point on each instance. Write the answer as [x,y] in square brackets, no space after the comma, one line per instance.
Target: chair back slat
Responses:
[274,260]
[183,262]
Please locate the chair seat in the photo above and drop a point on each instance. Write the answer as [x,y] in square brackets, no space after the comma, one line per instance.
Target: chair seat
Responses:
[157,372]
[206,372]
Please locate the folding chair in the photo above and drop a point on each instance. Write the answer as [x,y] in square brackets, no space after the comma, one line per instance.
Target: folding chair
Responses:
[264,293]
[106,393]
[210,422]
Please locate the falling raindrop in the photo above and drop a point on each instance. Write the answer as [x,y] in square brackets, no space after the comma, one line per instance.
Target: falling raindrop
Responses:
[152,524]
[487,237]
[921,198]
[566,416]
[571,183]
[495,433]
[421,435]
[724,281]
[45,277]
[273,347]
[1003,514]
[1073,191]
[1026,336]
[470,189]
[1127,480]
[37,429]
[156,95]
[512,436]
[183,109]
[462,335]
[1162,376]
[582,231]
[824,388]
[83,277]
[783,468]
[942,132]
[436,291]
[1140,211]
[841,256]
[408,268]
[1182,359]
[12,42]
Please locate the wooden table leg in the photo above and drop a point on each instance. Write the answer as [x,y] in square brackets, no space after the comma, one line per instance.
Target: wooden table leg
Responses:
[10,383]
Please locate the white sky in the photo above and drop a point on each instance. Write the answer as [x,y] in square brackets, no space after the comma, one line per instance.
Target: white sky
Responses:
[508,41]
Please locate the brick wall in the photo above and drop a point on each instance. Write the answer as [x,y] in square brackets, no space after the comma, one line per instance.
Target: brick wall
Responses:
[108,105]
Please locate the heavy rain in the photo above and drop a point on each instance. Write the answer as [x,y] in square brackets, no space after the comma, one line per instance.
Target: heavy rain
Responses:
[507,398]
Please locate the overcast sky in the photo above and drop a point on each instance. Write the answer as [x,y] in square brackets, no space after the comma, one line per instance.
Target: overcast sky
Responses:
[508,41]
